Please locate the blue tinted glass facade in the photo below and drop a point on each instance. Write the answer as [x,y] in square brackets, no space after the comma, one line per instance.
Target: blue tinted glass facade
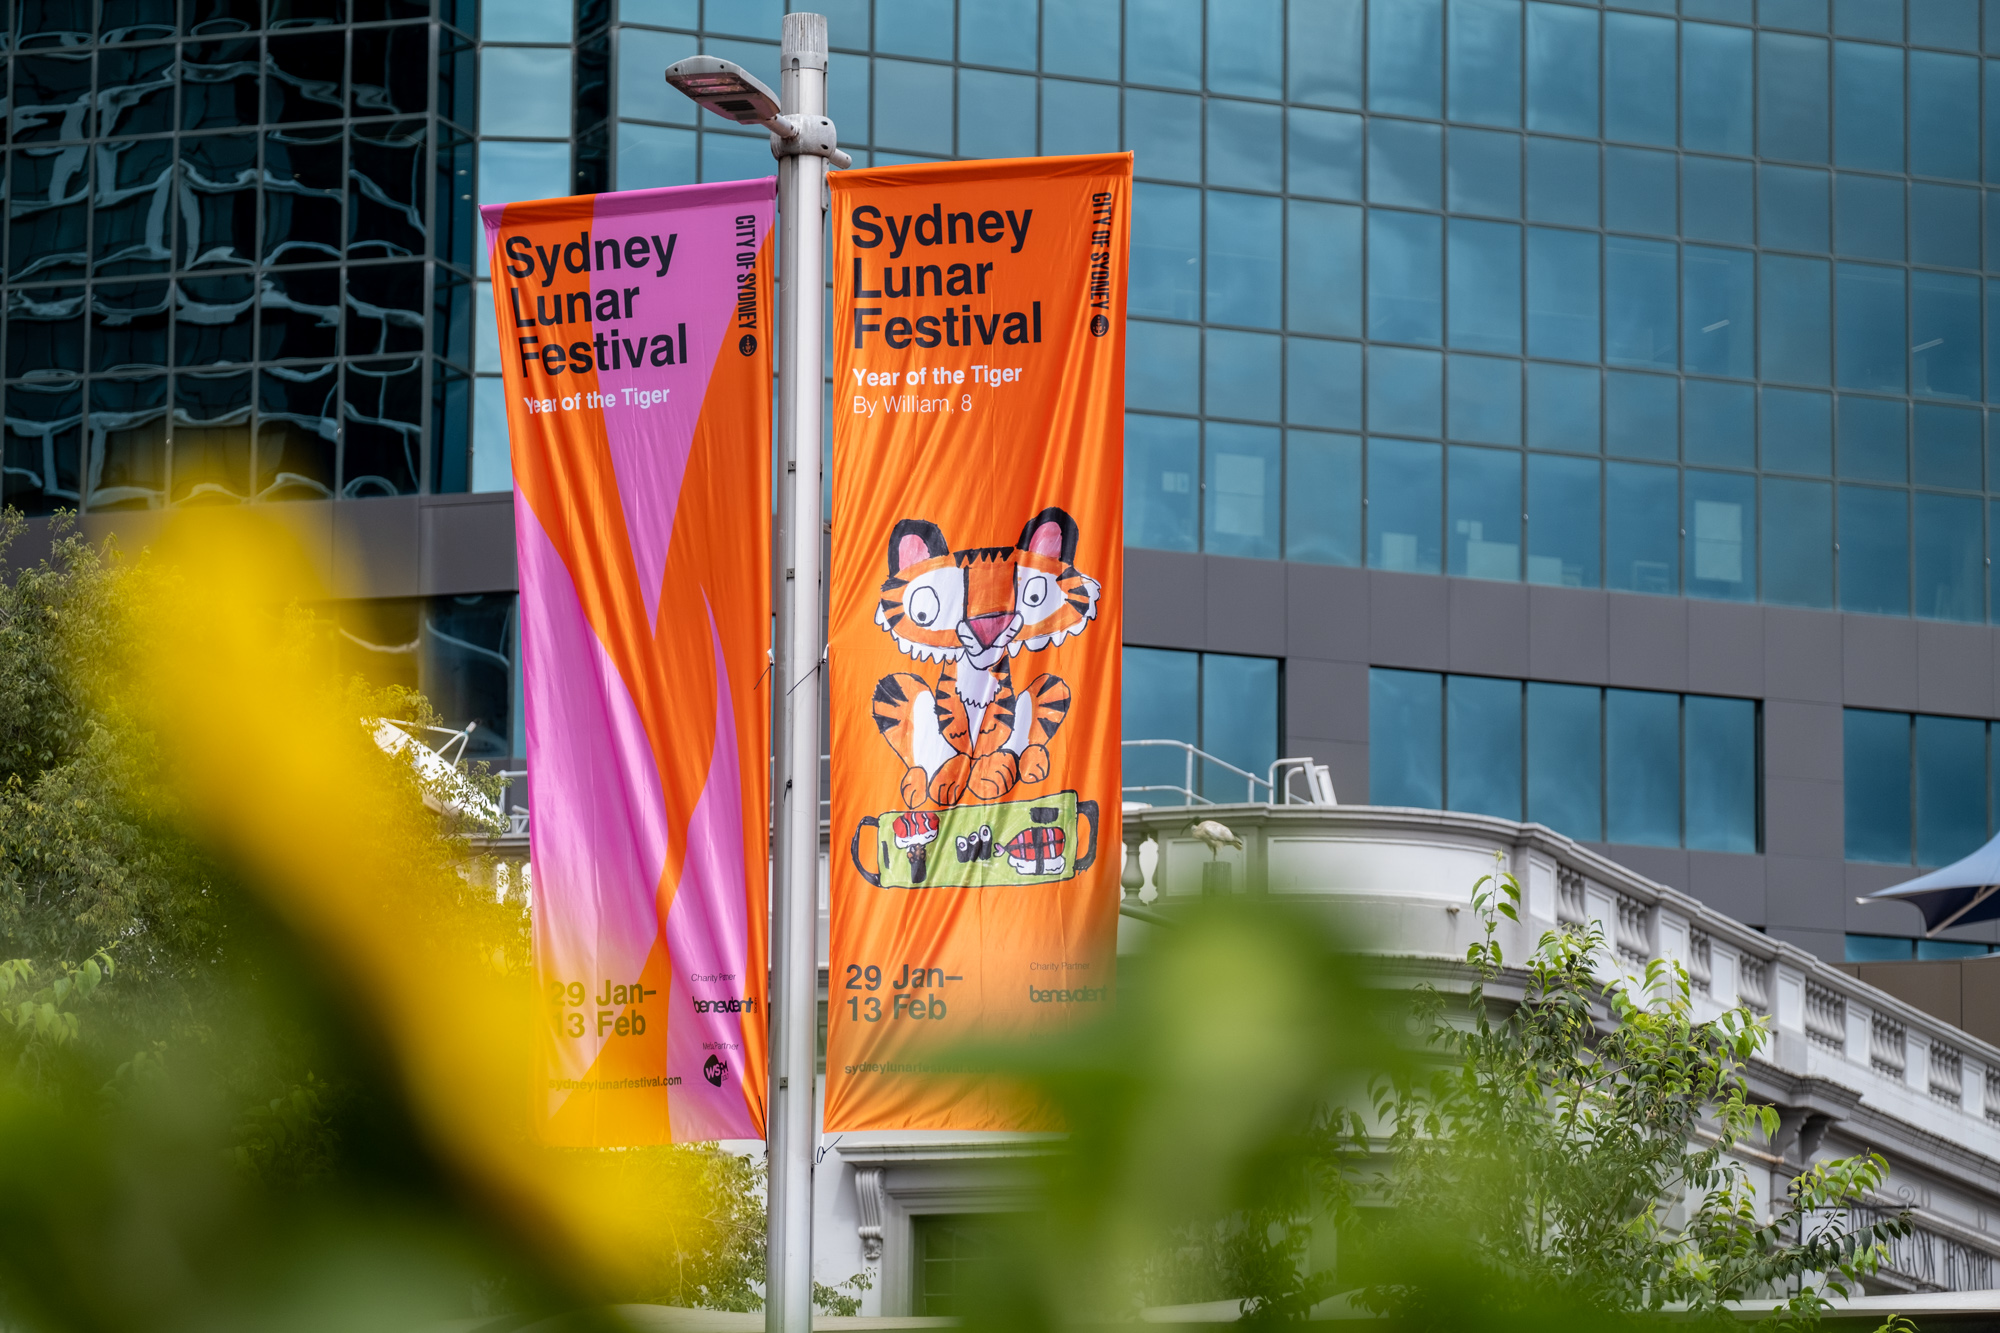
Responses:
[1718,289]
[237,251]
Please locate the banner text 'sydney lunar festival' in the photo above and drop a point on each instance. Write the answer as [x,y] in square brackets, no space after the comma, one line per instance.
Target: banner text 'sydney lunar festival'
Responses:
[635,335]
[974,624]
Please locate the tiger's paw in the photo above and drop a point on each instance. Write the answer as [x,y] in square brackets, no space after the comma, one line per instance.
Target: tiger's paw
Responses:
[1034,763]
[994,776]
[949,784]
[916,787]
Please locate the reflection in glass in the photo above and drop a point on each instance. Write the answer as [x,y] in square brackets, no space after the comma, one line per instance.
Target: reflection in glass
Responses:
[1482,746]
[385,309]
[41,450]
[1642,763]
[213,319]
[1405,302]
[1562,294]
[382,411]
[1322,498]
[128,325]
[1162,367]
[1161,700]
[1485,173]
[908,100]
[1874,550]
[1868,217]
[1947,446]
[1947,564]
[1485,59]
[1721,423]
[45,328]
[1405,58]
[218,199]
[1562,182]
[1239,721]
[469,655]
[1323,152]
[1869,335]
[1564,407]
[1242,375]
[1322,270]
[1950,771]
[1721,546]
[1404,391]
[1641,309]
[1794,326]
[1721,746]
[649,156]
[1162,468]
[51,98]
[304,183]
[128,444]
[1874,439]
[211,443]
[219,84]
[1081,37]
[1798,542]
[1484,400]
[1716,201]
[1791,97]
[1868,106]
[1405,164]
[1944,115]
[517,96]
[1944,335]
[135,91]
[390,71]
[997,116]
[46,216]
[1642,528]
[1563,521]
[1001,32]
[1876,757]
[1405,738]
[1323,383]
[299,313]
[1483,274]
[1797,431]
[385,201]
[134,186]
[1944,225]
[1639,101]
[1716,111]
[1405,495]
[298,423]
[1719,307]
[1565,769]
[1642,416]
[1640,191]
[1245,279]
[307,78]
[1483,514]
[1166,251]
[1243,482]
[1562,69]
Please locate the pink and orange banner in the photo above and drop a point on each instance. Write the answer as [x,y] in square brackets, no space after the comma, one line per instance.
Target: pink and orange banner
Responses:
[636,342]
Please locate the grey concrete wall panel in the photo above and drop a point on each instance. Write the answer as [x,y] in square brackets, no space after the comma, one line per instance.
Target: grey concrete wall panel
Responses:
[32,547]
[1954,668]
[1802,816]
[1801,654]
[468,544]
[1347,764]
[1326,612]
[1246,606]
[1409,621]
[1825,944]
[1166,599]
[1732,885]
[1489,627]
[1725,648]
[1648,641]
[1663,865]
[375,547]
[1325,701]
[1802,740]
[1878,662]
[1800,892]
[1568,635]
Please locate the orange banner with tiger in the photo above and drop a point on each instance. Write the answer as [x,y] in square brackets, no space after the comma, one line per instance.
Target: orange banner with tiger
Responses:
[974,625]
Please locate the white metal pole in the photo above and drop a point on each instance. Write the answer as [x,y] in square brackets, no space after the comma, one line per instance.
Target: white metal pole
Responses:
[793,1115]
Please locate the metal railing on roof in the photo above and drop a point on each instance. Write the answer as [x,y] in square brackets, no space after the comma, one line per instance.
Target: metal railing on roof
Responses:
[1276,783]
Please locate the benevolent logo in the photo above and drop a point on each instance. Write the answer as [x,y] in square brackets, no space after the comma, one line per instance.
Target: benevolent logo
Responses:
[1072,995]
[715,1071]
[724,1006]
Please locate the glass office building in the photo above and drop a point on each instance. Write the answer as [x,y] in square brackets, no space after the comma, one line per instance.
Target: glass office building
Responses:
[1608,327]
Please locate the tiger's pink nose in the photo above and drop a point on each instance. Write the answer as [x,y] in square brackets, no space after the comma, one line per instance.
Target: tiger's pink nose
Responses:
[988,628]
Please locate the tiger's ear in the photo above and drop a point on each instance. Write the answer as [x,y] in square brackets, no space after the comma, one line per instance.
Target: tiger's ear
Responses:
[913,541]
[1050,533]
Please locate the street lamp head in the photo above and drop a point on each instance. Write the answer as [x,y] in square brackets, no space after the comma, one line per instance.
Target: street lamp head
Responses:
[725,89]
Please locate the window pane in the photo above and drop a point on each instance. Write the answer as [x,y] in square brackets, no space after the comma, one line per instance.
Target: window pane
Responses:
[1878,949]
[1716,200]
[1868,217]
[1562,294]
[1405,164]
[1642,416]
[1562,521]
[1874,550]
[1874,439]
[1642,528]
[1944,225]
[1715,88]
[1324,153]
[1482,740]
[1331,30]
[1792,208]
[1244,284]
[1642,768]
[1563,408]
[1246,48]
[1640,191]
[1484,400]
[1405,738]
[1798,542]
[1720,302]
[1797,431]
[1161,129]
[1721,774]
[1246,144]
[1078,117]
[1486,61]
[1562,182]
[1951,788]
[1565,759]
[1239,721]
[1162,461]
[1166,251]
[1869,336]
[1242,375]
[1322,498]
[1323,275]
[1405,495]
[1485,173]
[1641,309]
[1404,57]
[1323,383]
[1944,115]
[1562,69]
[1944,335]
[996,114]
[1791,97]
[910,106]
[1721,546]
[1949,557]
[1404,392]
[1484,515]
[1162,41]
[1404,271]
[1160,701]
[997,32]
[1793,329]
[1639,102]
[1876,762]
[1868,106]
[1484,277]
[1946,23]
[1243,486]
[650,156]
[1721,423]
[1947,452]
[1162,367]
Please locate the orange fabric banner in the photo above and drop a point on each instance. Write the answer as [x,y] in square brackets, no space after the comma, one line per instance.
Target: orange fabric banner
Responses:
[974,623]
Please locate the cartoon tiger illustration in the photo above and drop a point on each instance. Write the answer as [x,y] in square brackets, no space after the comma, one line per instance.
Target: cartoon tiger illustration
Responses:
[970,732]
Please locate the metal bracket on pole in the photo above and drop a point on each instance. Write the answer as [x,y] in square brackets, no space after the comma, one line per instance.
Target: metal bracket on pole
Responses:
[792,135]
